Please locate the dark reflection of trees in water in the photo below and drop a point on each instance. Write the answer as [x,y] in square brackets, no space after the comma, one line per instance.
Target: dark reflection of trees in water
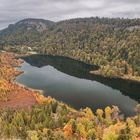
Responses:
[81,70]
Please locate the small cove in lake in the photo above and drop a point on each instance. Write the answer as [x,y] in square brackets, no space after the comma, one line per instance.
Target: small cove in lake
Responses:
[69,81]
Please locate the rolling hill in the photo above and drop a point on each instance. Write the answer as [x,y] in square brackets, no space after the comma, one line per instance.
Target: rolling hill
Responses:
[111,43]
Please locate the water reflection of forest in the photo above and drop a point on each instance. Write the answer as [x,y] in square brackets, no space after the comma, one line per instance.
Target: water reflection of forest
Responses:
[81,70]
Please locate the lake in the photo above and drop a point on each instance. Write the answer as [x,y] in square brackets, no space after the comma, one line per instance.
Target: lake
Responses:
[69,81]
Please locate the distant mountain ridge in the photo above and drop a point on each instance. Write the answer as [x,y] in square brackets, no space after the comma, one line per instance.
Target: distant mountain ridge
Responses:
[28,30]
[32,23]
[39,24]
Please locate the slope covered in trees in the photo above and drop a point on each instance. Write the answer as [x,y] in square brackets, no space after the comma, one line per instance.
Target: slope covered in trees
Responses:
[27,31]
[56,121]
[113,44]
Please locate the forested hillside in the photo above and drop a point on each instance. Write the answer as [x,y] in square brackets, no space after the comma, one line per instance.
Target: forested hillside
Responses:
[27,31]
[56,121]
[113,44]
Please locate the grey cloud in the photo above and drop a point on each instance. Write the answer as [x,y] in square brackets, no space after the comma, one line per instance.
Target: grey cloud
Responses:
[14,10]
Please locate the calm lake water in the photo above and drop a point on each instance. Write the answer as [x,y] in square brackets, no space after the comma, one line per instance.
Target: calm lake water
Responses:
[69,81]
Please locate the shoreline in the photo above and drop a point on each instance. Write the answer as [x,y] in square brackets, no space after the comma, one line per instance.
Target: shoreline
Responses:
[22,85]
[13,94]
[96,73]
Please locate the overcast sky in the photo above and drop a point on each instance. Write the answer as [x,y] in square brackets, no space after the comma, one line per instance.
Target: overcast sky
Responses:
[12,11]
